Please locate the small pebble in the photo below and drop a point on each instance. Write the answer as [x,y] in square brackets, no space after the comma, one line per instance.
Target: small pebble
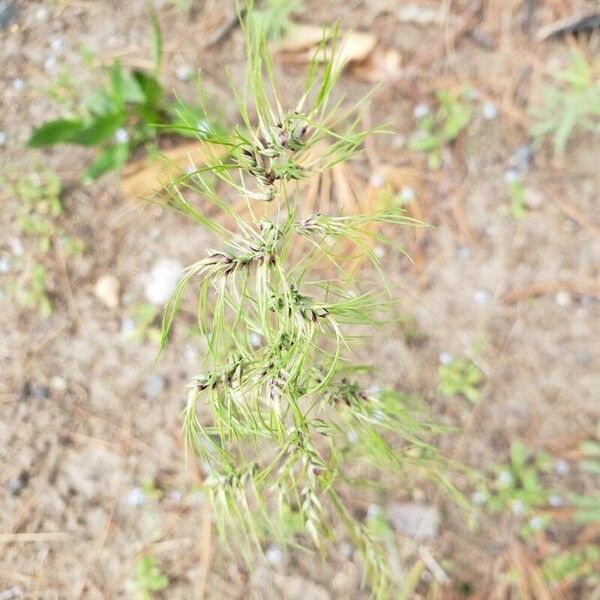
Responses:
[518,508]
[121,136]
[352,437]
[489,110]
[191,169]
[127,325]
[511,175]
[536,523]
[347,549]
[56,44]
[561,467]
[482,297]
[190,353]
[373,511]
[135,497]
[407,194]
[155,385]
[255,340]
[18,84]
[203,126]
[479,498]
[41,13]
[184,72]
[4,265]
[274,555]
[445,358]
[464,253]
[505,479]
[563,298]
[2,138]
[374,389]
[175,496]
[11,593]
[18,483]
[379,251]
[376,180]
[162,280]
[555,501]
[420,110]
[58,383]
[40,392]
[108,290]
[16,246]
[50,63]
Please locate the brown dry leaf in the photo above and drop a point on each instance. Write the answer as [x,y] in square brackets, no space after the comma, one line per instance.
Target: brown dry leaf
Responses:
[146,176]
[370,60]
[300,36]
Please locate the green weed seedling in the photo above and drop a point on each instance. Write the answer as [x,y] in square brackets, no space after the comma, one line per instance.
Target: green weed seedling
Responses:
[149,578]
[460,377]
[577,565]
[143,325]
[434,130]
[130,112]
[292,418]
[517,487]
[587,508]
[573,104]
[38,219]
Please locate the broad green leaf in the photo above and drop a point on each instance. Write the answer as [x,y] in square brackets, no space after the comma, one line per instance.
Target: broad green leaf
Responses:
[114,157]
[55,132]
[150,87]
[117,85]
[133,92]
[99,130]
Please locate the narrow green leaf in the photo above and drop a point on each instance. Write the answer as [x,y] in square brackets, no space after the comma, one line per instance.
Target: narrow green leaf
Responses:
[99,130]
[55,132]
[111,159]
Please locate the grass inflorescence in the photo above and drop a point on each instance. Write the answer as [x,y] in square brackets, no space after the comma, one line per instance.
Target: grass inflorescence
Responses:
[289,408]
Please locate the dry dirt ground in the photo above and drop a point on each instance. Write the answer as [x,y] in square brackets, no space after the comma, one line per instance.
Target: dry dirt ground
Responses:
[87,416]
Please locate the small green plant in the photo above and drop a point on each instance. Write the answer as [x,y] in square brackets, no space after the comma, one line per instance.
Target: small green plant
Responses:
[516,194]
[587,508]
[38,214]
[436,130]
[460,377]
[574,104]
[131,112]
[574,565]
[149,578]
[144,324]
[292,418]
[517,487]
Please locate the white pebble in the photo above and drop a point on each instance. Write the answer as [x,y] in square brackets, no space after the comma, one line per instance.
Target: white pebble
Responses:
[56,44]
[561,467]
[563,298]
[489,110]
[373,511]
[190,353]
[536,523]
[420,110]
[479,498]
[184,73]
[58,383]
[121,136]
[4,265]
[255,340]
[135,497]
[274,555]
[175,496]
[445,358]
[352,437]
[18,84]
[50,63]
[376,180]
[16,246]
[108,290]
[2,138]
[379,251]
[464,252]
[518,508]
[127,325]
[505,479]
[482,296]
[555,500]
[162,280]
[407,194]
[511,175]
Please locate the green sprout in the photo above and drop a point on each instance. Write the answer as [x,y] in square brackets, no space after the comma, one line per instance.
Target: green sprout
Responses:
[132,111]
[149,578]
[436,130]
[573,105]
[587,508]
[292,420]
[460,377]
